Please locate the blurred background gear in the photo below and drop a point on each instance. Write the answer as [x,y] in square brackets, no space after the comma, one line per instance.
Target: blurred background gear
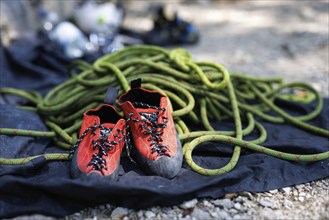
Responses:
[12,26]
[90,28]
[170,29]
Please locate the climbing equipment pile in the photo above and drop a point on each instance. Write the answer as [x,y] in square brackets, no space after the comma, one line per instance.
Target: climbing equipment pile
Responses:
[199,92]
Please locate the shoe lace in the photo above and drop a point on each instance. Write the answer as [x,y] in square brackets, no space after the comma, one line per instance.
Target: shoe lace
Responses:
[102,144]
[151,126]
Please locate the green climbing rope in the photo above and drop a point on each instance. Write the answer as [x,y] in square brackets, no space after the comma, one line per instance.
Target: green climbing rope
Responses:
[199,92]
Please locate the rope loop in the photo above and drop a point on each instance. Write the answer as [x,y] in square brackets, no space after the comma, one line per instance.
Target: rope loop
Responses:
[181,58]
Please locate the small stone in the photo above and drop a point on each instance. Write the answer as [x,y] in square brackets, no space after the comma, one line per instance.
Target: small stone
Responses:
[223,203]
[170,213]
[233,211]
[268,194]
[160,216]
[200,214]
[274,191]
[119,213]
[238,199]
[267,213]
[308,188]
[301,198]
[223,215]
[237,206]
[303,194]
[299,187]
[231,195]
[286,190]
[207,204]
[247,205]
[189,204]
[237,217]
[265,203]
[76,216]
[140,214]
[214,215]
[251,212]
[247,194]
[149,214]
[287,204]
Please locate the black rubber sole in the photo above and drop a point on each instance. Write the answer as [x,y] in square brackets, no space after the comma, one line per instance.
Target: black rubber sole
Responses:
[165,166]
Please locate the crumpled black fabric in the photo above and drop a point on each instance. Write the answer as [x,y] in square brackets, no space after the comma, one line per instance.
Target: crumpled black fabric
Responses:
[46,187]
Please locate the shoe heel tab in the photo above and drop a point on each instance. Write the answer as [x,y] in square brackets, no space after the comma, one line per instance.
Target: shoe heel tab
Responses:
[136,83]
[111,95]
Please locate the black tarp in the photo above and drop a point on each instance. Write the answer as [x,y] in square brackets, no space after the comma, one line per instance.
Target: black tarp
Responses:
[46,187]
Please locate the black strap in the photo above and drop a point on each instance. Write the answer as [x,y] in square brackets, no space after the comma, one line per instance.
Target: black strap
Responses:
[111,95]
[136,83]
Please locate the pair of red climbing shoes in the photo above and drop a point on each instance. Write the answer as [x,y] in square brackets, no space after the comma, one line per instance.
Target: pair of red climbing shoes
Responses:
[148,128]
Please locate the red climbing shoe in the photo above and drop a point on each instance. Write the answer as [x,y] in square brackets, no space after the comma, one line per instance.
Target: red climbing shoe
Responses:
[102,137]
[149,120]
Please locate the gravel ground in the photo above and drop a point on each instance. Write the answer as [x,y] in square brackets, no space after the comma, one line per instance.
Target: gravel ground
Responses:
[306,201]
[288,39]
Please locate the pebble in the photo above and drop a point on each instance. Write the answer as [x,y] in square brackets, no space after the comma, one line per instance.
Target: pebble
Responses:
[237,206]
[238,199]
[303,194]
[76,216]
[301,198]
[265,203]
[287,204]
[189,204]
[299,187]
[233,211]
[206,203]
[223,215]
[247,195]
[171,213]
[214,214]
[200,214]
[223,203]
[237,217]
[119,213]
[286,190]
[140,214]
[149,214]
[266,213]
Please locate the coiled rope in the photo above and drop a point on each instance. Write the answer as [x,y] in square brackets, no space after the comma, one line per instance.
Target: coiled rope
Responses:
[199,92]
